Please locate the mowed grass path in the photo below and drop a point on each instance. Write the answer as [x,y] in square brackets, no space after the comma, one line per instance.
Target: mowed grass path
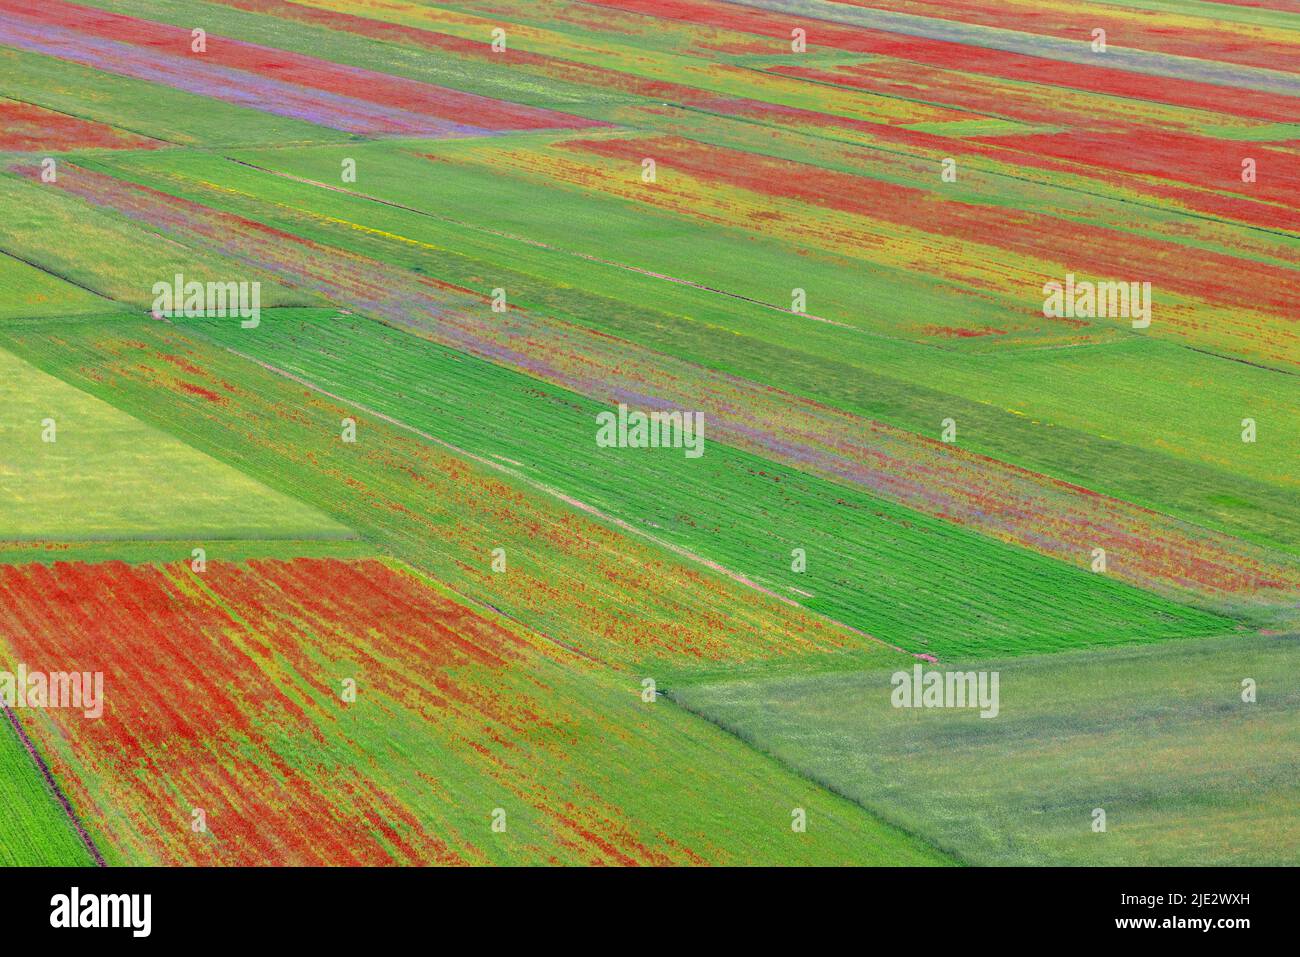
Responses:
[108,475]
[1158,737]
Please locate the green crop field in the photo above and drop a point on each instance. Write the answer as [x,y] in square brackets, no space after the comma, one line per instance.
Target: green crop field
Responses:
[905,578]
[34,830]
[25,292]
[41,220]
[1087,422]
[74,467]
[1158,738]
[630,601]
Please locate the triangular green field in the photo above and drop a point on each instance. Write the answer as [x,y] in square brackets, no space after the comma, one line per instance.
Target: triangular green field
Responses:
[107,475]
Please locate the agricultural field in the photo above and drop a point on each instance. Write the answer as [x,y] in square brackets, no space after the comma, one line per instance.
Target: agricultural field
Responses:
[630,600]
[77,468]
[510,434]
[263,647]
[1186,772]
[30,292]
[34,831]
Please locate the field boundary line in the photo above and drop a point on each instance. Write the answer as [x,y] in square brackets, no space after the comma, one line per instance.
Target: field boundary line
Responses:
[68,280]
[53,785]
[812,779]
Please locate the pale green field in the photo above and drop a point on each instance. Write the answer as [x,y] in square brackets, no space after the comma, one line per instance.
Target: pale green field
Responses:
[109,476]
[1156,736]
[27,292]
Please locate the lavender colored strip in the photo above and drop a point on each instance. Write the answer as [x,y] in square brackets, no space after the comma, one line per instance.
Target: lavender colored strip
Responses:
[233,86]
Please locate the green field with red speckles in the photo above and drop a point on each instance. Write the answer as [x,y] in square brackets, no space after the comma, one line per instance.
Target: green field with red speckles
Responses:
[307,329]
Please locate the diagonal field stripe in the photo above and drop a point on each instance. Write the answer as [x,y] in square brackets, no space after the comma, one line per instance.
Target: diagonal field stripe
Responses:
[1052,48]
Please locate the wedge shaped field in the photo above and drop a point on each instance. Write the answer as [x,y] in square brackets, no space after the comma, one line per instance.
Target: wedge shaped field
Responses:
[74,467]
[763,512]
[907,579]
[26,291]
[1162,740]
[39,220]
[625,600]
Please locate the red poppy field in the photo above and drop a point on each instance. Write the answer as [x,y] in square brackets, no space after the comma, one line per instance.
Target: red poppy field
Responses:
[318,711]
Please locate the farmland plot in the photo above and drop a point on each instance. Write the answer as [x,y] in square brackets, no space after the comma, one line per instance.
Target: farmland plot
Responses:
[34,829]
[74,467]
[1163,740]
[917,566]
[318,712]
[624,600]
[990,330]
